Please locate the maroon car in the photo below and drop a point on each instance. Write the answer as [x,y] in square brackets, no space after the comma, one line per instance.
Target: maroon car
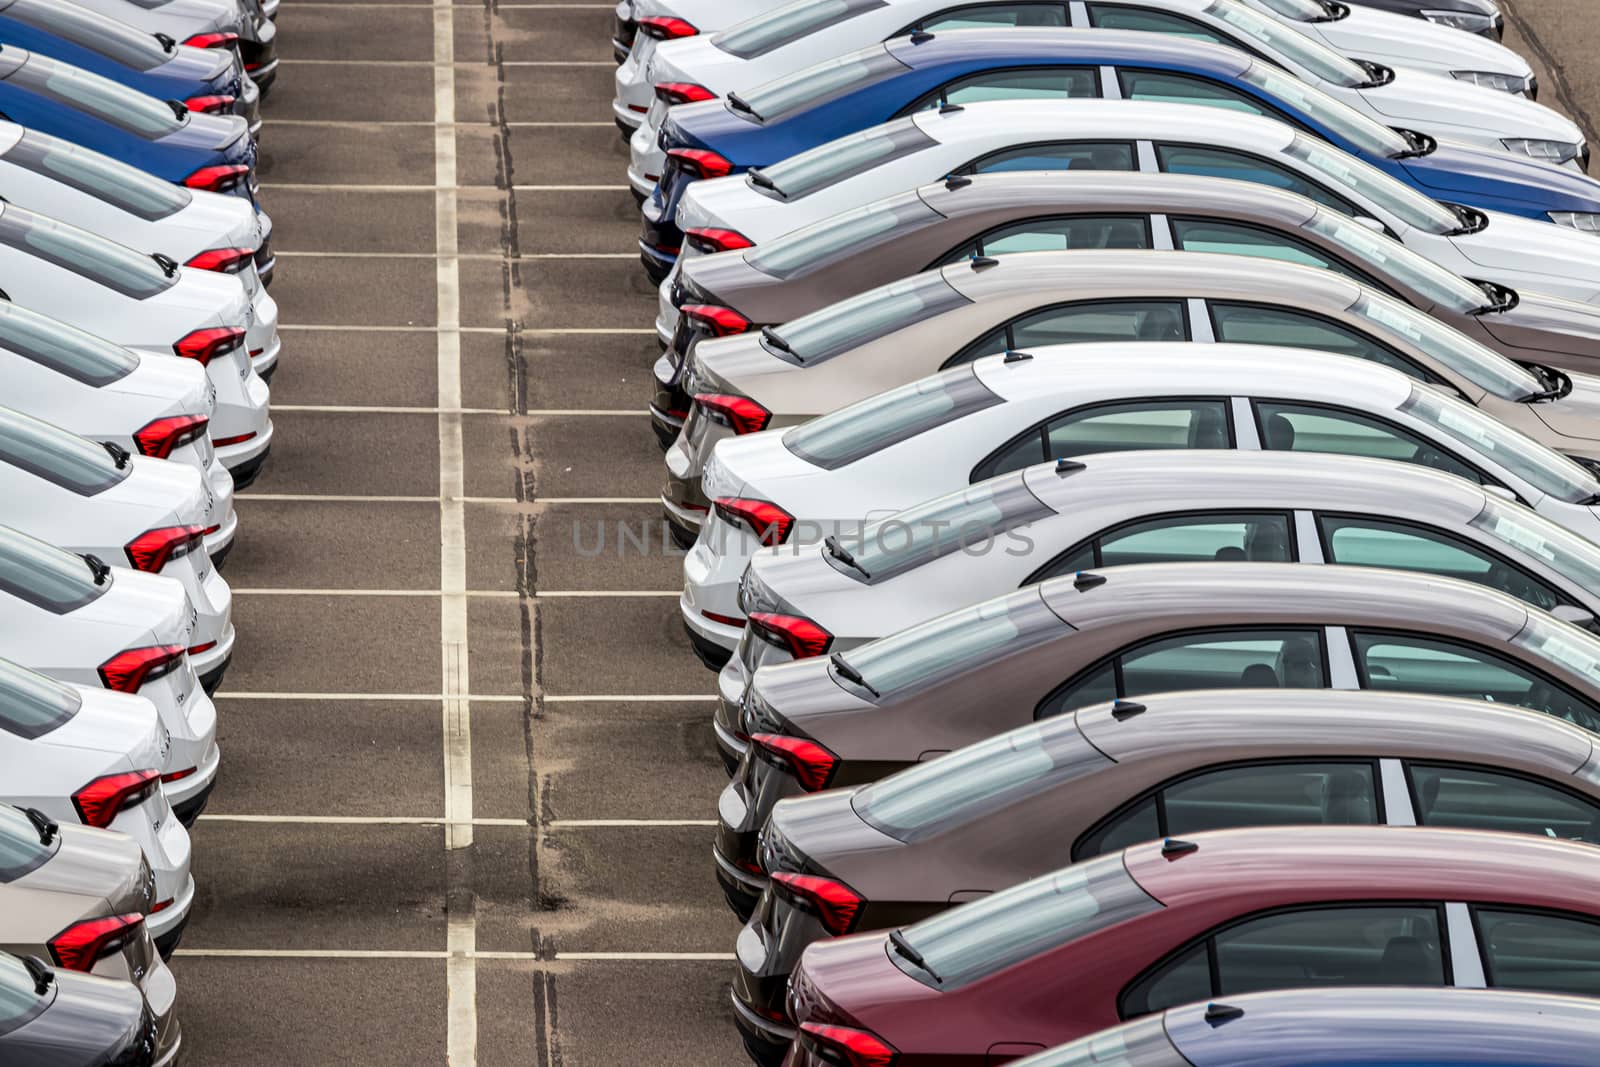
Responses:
[1183,920]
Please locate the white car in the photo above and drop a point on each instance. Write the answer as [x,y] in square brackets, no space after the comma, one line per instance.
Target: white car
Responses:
[824,478]
[1149,137]
[82,621]
[666,20]
[152,305]
[83,755]
[149,514]
[1430,103]
[1106,510]
[148,405]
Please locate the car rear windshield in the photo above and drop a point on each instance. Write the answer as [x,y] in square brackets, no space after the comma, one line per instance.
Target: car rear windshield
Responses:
[842,437]
[970,520]
[931,797]
[776,28]
[1141,1043]
[20,999]
[1578,651]
[951,644]
[971,942]
[832,241]
[1546,470]
[823,334]
[21,850]
[1568,554]
[115,266]
[45,576]
[103,98]
[109,37]
[1298,10]
[1483,367]
[107,180]
[63,349]
[1389,258]
[1272,35]
[1344,120]
[1373,185]
[811,85]
[31,705]
[801,175]
[65,459]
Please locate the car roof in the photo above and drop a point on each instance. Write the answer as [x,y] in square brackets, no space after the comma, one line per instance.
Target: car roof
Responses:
[1086,274]
[1371,863]
[1118,191]
[1119,119]
[1182,368]
[1282,594]
[1068,45]
[1235,723]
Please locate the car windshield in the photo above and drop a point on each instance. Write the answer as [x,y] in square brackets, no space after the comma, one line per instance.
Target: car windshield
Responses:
[823,334]
[975,637]
[109,37]
[977,939]
[31,705]
[1545,469]
[20,999]
[107,180]
[833,240]
[1568,554]
[103,98]
[812,85]
[1317,60]
[88,255]
[1578,651]
[21,850]
[1370,183]
[1340,119]
[762,33]
[820,167]
[869,426]
[1388,257]
[45,576]
[62,348]
[969,520]
[65,459]
[1483,367]
[931,797]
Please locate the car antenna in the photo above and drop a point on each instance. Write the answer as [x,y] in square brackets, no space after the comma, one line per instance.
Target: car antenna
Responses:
[1013,356]
[984,262]
[1086,580]
[953,182]
[1217,1014]
[921,37]
[1066,467]
[950,109]
[1172,848]
[1123,710]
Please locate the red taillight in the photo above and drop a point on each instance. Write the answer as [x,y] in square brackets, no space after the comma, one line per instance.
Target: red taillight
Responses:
[154,549]
[810,763]
[127,671]
[161,437]
[726,620]
[683,93]
[218,178]
[223,260]
[704,162]
[709,239]
[81,945]
[224,442]
[100,800]
[765,519]
[209,105]
[162,905]
[178,776]
[836,904]
[716,320]
[802,637]
[739,413]
[213,40]
[666,28]
[846,1046]
[206,345]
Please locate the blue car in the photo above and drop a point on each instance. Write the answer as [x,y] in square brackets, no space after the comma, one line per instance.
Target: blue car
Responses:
[1344,1026]
[164,138]
[924,71]
[209,80]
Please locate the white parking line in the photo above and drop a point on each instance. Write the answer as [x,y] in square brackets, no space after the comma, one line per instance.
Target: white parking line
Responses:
[357,187]
[479,256]
[459,64]
[635,698]
[425,820]
[527,331]
[423,954]
[476,698]
[376,409]
[485,594]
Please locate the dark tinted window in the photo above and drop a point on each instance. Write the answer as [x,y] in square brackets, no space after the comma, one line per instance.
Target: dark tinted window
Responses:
[1328,947]
[125,108]
[1288,427]
[1169,87]
[1058,235]
[1252,325]
[1241,166]
[1118,427]
[1257,538]
[107,36]
[1031,83]
[61,348]
[115,266]
[44,575]
[778,27]
[1237,239]
[108,180]
[869,426]
[21,851]
[1151,20]
[31,705]
[1071,324]
[1472,798]
[1066,155]
[62,458]
[993,17]
[1183,979]
[1539,951]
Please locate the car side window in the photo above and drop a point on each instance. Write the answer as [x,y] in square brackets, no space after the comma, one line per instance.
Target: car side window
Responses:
[1029,83]
[1412,663]
[1167,87]
[1064,234]
[1117,427]
[992,16]
[1252,324]
[1237,239]
[1474,798]
[1072,324]
[1257,537]
[1363,542]
[1289,427]
[1064,155]
[1151,20]
[1539,951]
[1241,166]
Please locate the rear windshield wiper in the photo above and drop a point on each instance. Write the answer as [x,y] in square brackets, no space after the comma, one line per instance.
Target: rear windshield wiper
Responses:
[180,110]
[761,181]
[97,567]
[850,674]
[1472,220]
[739,103]
[1421,144]
[168,265]
[1556,385]
[119,455]
[41,974]
[1501,298]
[1378,75]
[44,824]
[168,44]
[909,951]
[769,335]
[842,554]
[1332,12]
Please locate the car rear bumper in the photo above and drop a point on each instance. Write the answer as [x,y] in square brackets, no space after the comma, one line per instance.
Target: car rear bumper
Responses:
[765,1042]
[212,664]
[188,796]
[245,460]
[683,522]
[167,925]
[742,888]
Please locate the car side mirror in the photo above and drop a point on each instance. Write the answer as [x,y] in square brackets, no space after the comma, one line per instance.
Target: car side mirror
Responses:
[1579,617]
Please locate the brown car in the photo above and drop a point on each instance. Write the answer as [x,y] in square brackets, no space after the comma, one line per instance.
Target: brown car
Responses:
[1094,781]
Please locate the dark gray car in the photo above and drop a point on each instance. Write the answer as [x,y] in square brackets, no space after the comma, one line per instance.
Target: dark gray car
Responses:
[58,1018]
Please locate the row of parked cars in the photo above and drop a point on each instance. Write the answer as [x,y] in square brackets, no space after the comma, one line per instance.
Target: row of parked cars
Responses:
[137,338]
[1139,467]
